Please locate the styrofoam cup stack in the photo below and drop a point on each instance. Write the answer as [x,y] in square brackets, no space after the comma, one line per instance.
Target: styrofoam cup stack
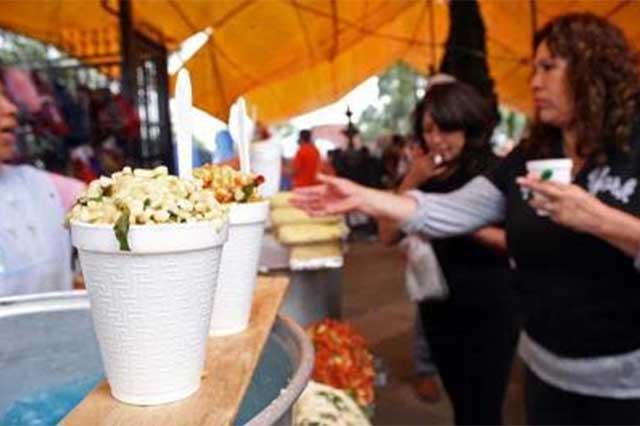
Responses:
[239,268]
[151,306]
[554,169]
[266,160]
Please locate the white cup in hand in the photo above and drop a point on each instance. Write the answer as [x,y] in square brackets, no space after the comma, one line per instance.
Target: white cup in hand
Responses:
[553,169]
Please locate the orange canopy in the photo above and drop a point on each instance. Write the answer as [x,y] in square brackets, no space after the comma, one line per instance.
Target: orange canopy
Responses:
[291,56]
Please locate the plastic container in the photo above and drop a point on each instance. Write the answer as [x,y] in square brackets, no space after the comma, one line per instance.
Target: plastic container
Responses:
[151,306]
[239,268]
[50,360]
[266,160]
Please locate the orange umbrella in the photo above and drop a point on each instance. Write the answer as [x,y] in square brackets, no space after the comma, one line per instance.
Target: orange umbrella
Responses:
[291,56]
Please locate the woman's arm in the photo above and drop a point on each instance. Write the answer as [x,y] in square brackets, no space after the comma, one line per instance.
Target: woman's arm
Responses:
[388,232]
[68,188]
[477,204]
[422,170]
[388,229]
[619,229]
[492,237]
[337,195]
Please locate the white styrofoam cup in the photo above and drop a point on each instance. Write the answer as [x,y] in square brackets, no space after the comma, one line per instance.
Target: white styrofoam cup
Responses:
[266,160]
[239,268]
[560,169]
[151,306]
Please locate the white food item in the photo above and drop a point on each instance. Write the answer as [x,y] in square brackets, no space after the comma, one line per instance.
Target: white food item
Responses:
[151,196]
[291,215]
[330,249]
[311,233]
[281,199]
[320,404]
[228,184]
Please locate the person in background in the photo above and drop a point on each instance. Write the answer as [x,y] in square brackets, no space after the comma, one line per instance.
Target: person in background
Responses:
[261,132]
[35,251]
[394,162]
[307,162]
[327,167]
[425,382]
[224,151]
[576,246]
[472,332]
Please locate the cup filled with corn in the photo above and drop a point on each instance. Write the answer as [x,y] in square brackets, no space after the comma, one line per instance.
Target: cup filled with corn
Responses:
[241,254]
[150,246]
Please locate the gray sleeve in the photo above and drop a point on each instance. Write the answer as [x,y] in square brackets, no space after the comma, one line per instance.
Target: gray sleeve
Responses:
[477,204]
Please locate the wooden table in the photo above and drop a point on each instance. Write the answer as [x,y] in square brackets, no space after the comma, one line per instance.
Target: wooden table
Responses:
[230,363]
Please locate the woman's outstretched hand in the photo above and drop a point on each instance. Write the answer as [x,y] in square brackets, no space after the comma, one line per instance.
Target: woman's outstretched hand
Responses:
[334,195]
[337,195]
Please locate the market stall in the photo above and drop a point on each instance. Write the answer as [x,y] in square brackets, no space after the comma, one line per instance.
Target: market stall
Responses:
[309,251]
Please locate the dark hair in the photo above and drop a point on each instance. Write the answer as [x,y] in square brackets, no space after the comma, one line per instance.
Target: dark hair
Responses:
[456,106]
[398,140]
[603,83]
[305,135]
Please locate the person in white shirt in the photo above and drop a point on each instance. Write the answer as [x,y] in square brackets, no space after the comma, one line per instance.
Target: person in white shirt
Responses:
[35,250]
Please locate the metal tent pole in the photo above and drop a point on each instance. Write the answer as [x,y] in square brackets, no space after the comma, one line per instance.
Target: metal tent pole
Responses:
[431,67]
[127,51]
[533,11]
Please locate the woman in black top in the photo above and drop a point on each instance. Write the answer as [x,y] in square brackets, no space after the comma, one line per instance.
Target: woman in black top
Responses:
[578,265]
[472,333]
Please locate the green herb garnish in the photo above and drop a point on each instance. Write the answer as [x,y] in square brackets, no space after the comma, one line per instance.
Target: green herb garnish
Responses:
[334,400]
[173,216]
[121,228]
[248,191]
[546,174]
[83,201]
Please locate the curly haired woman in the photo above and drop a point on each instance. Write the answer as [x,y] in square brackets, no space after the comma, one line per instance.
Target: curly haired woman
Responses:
[577,264]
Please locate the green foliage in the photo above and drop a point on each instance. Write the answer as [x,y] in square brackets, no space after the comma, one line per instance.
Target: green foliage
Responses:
[17,49]
[398,91]
[286,129]
[512,122]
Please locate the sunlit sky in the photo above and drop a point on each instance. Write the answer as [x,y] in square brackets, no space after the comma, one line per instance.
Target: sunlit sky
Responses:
[358,99]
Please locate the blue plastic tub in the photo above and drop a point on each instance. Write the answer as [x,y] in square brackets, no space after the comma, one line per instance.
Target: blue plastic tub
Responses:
[49,360]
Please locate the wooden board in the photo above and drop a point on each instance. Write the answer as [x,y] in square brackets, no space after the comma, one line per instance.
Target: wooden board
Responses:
[230,364]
